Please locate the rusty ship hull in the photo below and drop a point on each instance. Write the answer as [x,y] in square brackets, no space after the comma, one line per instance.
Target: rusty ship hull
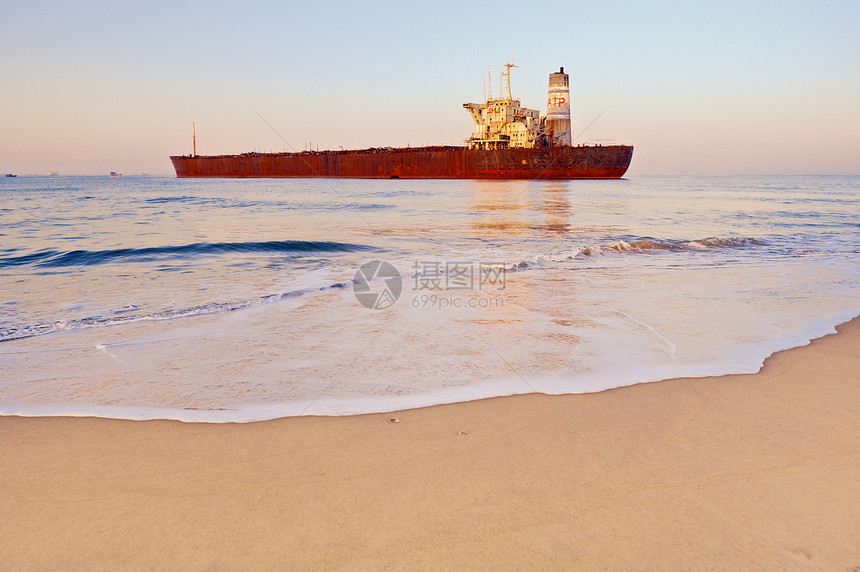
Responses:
[562,162]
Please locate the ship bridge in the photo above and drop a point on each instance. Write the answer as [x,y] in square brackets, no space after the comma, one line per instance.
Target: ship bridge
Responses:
[504,123]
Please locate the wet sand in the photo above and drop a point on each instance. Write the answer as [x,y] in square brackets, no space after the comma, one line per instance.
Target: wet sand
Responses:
[735,472]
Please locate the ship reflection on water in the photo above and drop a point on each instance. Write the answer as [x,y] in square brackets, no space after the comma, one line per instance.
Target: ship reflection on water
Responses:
[555,208]
[521,209]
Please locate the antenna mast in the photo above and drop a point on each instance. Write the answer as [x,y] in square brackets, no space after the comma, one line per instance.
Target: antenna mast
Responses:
[489,83]
[507,74]
[193,140]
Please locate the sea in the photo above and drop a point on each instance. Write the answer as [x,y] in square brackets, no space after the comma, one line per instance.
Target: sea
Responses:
[237,300]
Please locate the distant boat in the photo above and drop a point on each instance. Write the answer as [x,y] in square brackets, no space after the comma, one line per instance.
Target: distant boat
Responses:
[115,174]
[11,175]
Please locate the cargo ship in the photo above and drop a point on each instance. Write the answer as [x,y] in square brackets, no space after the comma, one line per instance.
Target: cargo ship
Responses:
[510,142]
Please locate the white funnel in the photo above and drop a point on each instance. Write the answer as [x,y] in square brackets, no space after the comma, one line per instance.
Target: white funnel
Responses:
[558,108]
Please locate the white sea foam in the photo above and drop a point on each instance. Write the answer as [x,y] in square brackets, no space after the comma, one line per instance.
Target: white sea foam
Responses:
[326,403]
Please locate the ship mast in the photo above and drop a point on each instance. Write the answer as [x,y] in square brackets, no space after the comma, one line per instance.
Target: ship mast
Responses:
[489,83]
[193,140]
[507,74]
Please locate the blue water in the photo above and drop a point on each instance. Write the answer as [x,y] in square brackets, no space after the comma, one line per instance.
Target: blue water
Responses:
[238,300]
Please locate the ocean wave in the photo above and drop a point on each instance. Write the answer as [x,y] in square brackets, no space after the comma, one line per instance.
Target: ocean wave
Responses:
[126,315]
[639,246]
[648,244]
[170,199]
[49,258]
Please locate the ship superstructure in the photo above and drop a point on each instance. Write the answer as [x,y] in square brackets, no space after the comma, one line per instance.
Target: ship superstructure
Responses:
[504,123]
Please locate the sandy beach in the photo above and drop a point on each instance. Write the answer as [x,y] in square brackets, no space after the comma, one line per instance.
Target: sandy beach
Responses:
[754,472]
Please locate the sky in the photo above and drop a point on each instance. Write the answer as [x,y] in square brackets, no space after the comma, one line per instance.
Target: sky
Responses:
[753,86]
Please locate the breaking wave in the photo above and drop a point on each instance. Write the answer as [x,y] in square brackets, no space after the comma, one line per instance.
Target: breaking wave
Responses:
[641,245]
[50,258]
[127,315]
